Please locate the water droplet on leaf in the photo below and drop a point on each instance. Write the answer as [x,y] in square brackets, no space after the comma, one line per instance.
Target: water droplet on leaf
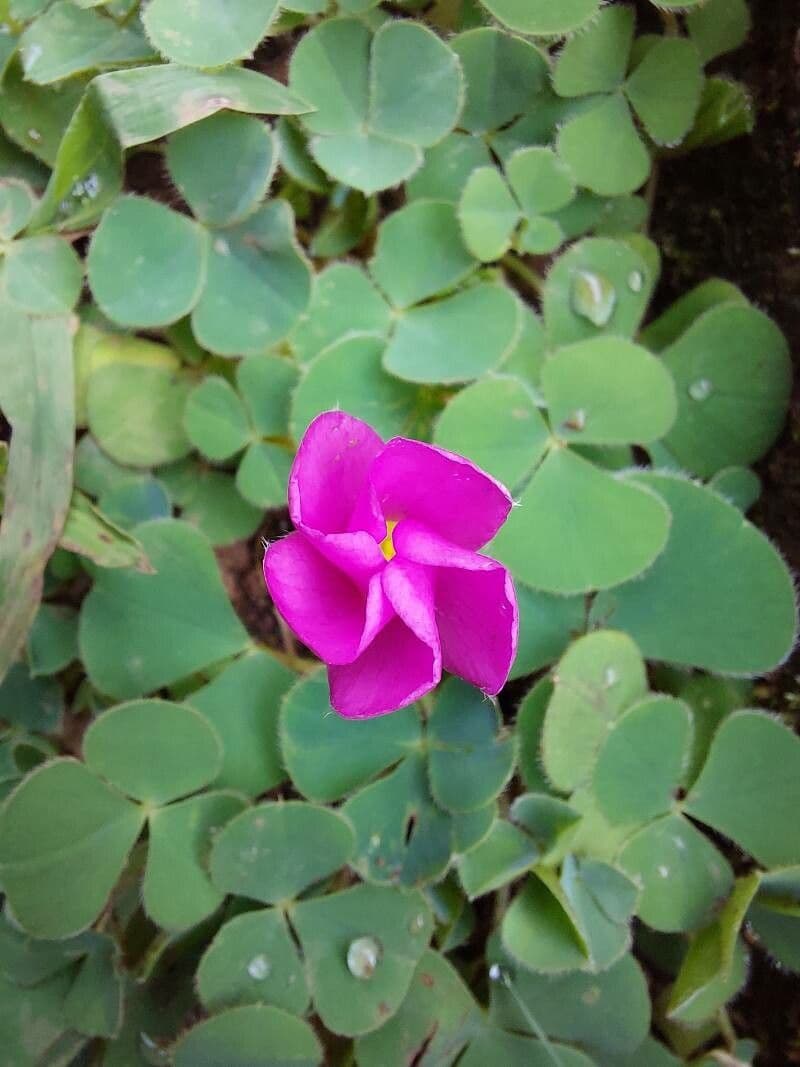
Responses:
[258,968]
[701,389]
[635,281]
[363,957]
[152,1052]
[593,297]
[417,924]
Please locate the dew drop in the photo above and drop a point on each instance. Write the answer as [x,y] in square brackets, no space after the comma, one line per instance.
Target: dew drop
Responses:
[701,389]
[34,134]
[152,1052]
[363,957]
[417,924]
[258,968]
[610,677]
[635,281]
[593,297]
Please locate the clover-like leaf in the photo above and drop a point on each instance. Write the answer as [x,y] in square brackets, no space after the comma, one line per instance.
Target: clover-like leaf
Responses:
[43,276]
[263,474]
[541,16]
[265,385]
[503,855]
[715,573]
[595,60]
[215,419]
[243,857]
[733,375]
[457,338]
[17,203]
[541,182]
[53,639]
[681,874]
[361,948]
[608,391]
[223,166]
[718,27]
[169,623]
[63,827]
[723,795]
[471,756]
[504,74]
[643,760]
[153,750]
[540,931]
[252,1033]
[212,34]
[343,300]
[394,93]
[447,167]
[328,756]
[487,214]
[253,960]
[242,704]
[664,89]
[603,148]
[179,842]
[579,528]
[495,422]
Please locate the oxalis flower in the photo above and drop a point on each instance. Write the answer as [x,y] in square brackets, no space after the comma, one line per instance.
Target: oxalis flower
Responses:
[382,578]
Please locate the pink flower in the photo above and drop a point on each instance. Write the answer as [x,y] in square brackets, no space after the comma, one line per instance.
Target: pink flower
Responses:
[382,578]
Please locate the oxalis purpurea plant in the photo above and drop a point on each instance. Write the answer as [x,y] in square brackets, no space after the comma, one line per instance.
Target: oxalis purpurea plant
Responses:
[218,222]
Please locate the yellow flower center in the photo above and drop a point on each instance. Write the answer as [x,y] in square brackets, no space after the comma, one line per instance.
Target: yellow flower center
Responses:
[387,545]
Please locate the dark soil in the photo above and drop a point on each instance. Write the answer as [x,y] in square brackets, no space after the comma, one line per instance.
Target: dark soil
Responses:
[734,212]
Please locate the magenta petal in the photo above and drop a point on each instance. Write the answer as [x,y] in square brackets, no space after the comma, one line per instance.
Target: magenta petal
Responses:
[443,491]
[409,590]
[476,612]
[357,554]
[329,475]
[415,542]
[326,610]
[396,669]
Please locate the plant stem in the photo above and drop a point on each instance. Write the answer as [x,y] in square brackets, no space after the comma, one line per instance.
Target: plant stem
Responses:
[530,277]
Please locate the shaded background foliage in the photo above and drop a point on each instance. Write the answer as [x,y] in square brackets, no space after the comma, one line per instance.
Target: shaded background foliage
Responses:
[726,211]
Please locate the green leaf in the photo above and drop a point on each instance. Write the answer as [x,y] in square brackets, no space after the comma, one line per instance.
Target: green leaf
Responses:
[600,676]
[504,75]
[89,533]
[733,375]
[43,276]
[63,831]
[328,756]
[519,1051]
[348,219]
[223,166]
[265,384]
[540,933]
[215,419]
[53,639]
[718,26]
[609,1011]
[457,338]
[672,323]
[726,111]
[350,374]
[495,422]
[242,704]
[31,1019]
[257,287]
[643,760]
[471,755]
[544,818]
[598,286]
[253,960]
[681,874]
[243,857]
[33,116]
[778,931]
[36,398]
[595,60]
[295,158]
[153,750]
[210,501]
[420,252]
[487,214]
[738,485]
[17,202]
[179,842]
[602,899]
[212,34]
[147,264]
[252,1034]
[168,624]
[603,149]
[435,1028]
[29,702]
[578,528]
[263,475]
[608,391]
[446,168]
[391,94]
[343,300]
[502,856]
[402,838]
[540,180]
[541,16]
[66,40]
[724,796]
[665,87]
[95,1002]
[711,700]
[529,723]
[136,413]
[527,356]
[716,574]
[361,948]
[139,501]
